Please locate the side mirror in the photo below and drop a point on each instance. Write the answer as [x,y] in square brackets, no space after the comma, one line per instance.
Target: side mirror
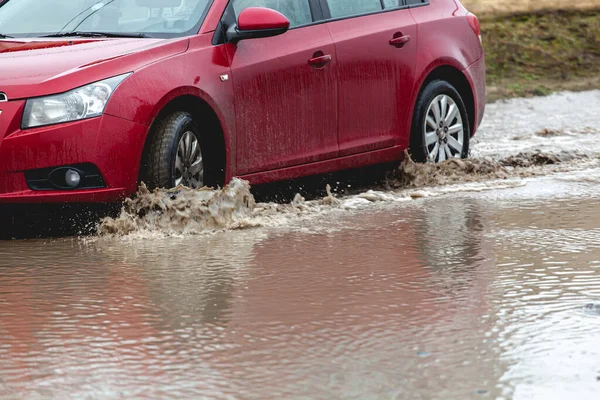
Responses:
[257,22]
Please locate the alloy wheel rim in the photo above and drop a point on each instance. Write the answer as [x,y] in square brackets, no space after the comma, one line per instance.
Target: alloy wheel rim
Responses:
[443,130]
[189,165]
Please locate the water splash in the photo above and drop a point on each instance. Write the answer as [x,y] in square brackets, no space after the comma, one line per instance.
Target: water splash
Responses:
[183,210]
[525,164]
[194,211]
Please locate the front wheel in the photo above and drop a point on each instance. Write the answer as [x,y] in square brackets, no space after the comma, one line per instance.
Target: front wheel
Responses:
[440,129]
[175,155]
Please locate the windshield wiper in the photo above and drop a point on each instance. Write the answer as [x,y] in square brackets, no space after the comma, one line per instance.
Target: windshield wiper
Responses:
[97,34]
[2,36]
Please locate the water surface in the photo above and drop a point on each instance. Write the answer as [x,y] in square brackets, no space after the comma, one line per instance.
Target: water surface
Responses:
[463,296]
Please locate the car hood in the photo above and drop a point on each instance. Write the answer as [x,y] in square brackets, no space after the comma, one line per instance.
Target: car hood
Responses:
[37,67]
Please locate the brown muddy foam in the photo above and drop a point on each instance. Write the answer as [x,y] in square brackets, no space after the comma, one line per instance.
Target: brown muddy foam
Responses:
[536,159]
[413,175]
[183,210]
[549,133]
[187,211]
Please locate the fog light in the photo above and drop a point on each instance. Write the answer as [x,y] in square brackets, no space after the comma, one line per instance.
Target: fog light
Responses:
[72,178]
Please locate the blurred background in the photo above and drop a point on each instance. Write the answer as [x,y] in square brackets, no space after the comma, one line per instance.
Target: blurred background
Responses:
[538,47]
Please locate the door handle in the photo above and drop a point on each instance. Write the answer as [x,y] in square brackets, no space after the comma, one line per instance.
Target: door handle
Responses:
[319,60]
[399,41]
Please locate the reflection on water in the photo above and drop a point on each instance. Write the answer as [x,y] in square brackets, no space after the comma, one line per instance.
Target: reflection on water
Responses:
[461,296]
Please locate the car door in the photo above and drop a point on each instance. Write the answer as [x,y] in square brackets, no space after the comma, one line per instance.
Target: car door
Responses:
[285,91]
[375,48]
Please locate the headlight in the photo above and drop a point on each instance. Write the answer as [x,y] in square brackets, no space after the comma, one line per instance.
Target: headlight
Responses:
[84,102]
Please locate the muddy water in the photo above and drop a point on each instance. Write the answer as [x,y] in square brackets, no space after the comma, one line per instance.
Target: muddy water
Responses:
[484,289]
[562,121]
[467,295]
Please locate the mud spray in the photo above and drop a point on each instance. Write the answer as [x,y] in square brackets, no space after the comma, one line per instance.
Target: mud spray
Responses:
[187,211]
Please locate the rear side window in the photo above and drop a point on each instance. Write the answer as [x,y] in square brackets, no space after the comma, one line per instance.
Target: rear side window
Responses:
[297,11]
[413,2]
[348,8]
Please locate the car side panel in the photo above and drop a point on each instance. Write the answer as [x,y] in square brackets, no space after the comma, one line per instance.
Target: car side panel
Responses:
[444,33]
[197,72]
[445,38]
[476,76]
[286,109]
[375,78]
[380,156]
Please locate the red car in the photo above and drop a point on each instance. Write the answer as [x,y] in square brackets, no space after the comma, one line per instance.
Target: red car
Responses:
[98,95]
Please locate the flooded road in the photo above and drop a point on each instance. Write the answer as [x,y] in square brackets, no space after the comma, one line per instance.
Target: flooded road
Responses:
[489,289]
[562,121]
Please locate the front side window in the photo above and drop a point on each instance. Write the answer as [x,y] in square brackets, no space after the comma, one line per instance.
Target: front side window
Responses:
[348,8]
[30,18]
[392,3]
[297,11]
[413,2]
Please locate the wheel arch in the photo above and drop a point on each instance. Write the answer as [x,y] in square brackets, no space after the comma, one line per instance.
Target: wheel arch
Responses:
[451,71]
[216,139]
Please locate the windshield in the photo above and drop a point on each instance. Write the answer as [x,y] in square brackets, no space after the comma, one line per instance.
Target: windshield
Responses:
[153,18]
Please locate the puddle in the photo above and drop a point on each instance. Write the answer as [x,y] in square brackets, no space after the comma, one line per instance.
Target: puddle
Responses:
[448,297]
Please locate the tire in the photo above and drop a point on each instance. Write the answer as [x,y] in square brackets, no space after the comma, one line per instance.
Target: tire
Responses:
[424,137]
[168,164]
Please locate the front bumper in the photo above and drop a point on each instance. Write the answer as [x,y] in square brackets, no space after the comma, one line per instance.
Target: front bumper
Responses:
[112,144]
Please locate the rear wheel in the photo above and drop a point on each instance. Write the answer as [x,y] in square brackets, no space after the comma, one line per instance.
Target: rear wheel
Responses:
[440,129]
[175,155]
